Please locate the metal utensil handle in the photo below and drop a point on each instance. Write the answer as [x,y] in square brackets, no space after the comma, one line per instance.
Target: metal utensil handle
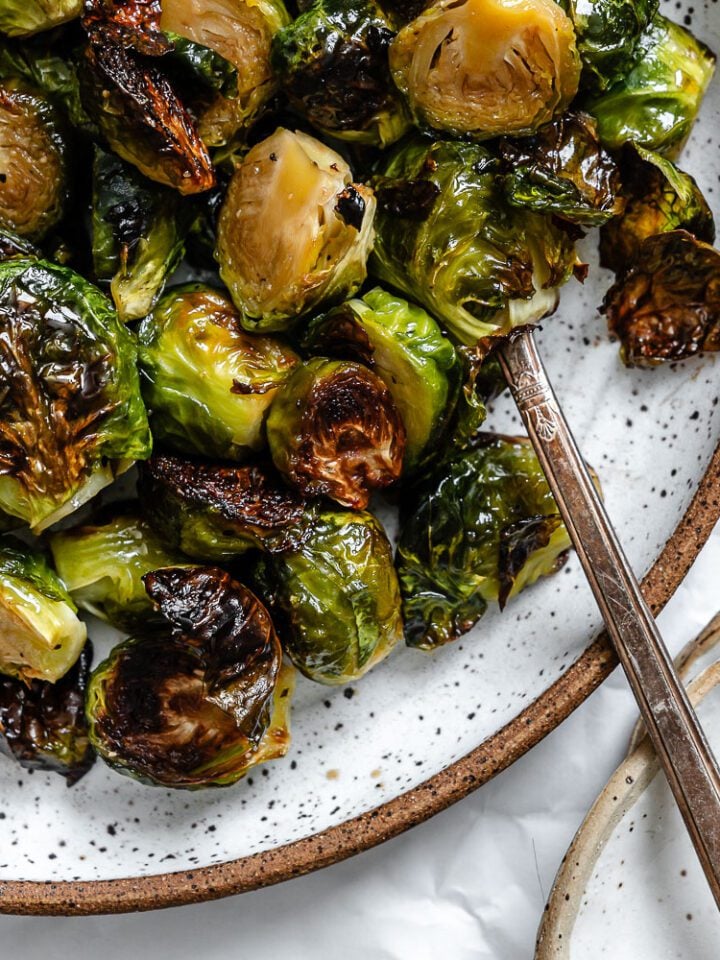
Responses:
[686,757]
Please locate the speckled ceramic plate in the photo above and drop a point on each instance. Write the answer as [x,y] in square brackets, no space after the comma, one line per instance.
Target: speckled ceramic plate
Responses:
[419,732]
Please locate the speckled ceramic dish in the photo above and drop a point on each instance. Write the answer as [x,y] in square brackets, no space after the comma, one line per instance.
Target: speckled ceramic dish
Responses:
[420,731]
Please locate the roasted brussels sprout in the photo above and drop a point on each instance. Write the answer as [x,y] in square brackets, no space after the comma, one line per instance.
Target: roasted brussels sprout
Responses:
[334,431]
[294,231]
[33,162]
[42,724]
[215,512]
[660,198]
[335,598]
[487,67]
[656,103]
[20,18]
[71,415]
[563,170]
[208,384]
[447,238]
[333,65]
[200,705]
[481,527]
[11,245]
[133,24]
[193,62]
[667,305]
[102,564]
[607,35]
[405,347]
[40,635]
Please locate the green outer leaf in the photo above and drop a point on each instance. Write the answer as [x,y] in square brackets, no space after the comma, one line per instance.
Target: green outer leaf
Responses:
[23,17]
[608,32]
[204,65]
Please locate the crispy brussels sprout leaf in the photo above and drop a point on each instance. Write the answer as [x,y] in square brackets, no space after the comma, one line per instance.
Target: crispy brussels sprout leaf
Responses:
[667,305]
[200,705]
[607,35]
[40,634]
[335,431]
[335,598]
[71,414]
[215,512]
[563,170]
[20,18]
[487,67]
[134,24]
[660,198]
[209,384]
[481,527]
[42,724]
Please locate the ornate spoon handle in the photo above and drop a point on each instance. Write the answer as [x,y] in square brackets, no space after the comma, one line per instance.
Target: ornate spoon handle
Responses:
[686,757]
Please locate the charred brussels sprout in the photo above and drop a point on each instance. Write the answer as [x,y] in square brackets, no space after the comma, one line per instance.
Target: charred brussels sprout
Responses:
[656,103]
[667,305]
[563,170]
[405,347]
[33,162]
[294,231]
[660,198]
[335,598]
[20,18]
[607,34]
[40,634]
[333,65]
[487,67]
[447,238]
[215,512]
[42,724]
[71,415]
[334,431]
[208,384]
[201,704]
[479,528]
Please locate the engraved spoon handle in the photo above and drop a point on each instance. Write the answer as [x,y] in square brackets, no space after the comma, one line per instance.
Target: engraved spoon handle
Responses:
[686,757]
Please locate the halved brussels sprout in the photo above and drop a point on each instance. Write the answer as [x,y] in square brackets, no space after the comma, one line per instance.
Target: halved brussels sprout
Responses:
[241,31]
[481,527]
[335,598]
[33,162]
[209,385]
[404,346]
[71,414]
[203,703]
[607,35]
[20,18]
[334,431]
[294,231]
[215,512]
[42,724]
[40,634]
[333,65]
[667,306]
[102,563]
[660,198]
[655,104]
[563,170]
[447,238]
[487,67]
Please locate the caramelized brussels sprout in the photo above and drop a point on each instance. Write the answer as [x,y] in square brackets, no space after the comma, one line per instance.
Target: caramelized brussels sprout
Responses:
[563,170]
[208,384]
[656,103]
[447,238]
[203,703]
[33,162]
[333,65]
[487,67]
[660,198]
[71,415]
[40,634]
[42,724]
[335,598]
[102,564]
[667,305]
[481,527]
[607,35]
[133,24]
[404,346]
[20,18]
[215,512]
[294,231]
[334,431]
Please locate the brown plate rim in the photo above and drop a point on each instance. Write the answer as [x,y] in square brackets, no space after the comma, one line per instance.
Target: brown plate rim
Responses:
[128,894]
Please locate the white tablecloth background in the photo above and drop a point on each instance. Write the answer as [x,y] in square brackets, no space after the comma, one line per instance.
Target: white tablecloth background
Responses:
[470,884]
